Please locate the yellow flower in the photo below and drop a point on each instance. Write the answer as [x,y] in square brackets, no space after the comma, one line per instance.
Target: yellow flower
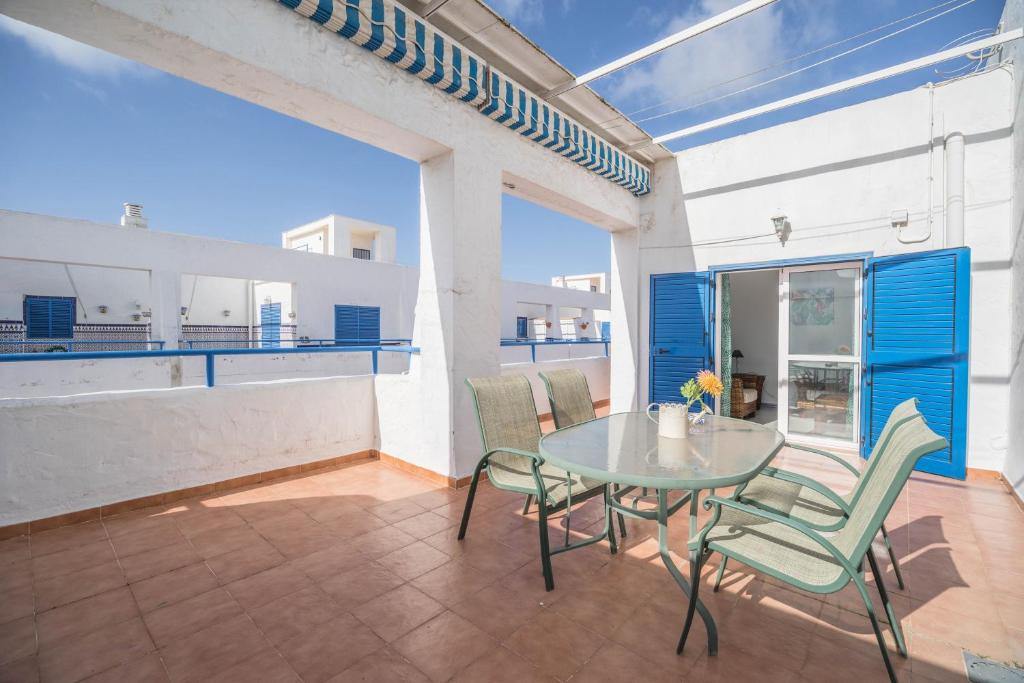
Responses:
[709,383]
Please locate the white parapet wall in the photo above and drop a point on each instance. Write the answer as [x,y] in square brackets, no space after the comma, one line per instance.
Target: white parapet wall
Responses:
[68,454]
[594,369]
[62,454]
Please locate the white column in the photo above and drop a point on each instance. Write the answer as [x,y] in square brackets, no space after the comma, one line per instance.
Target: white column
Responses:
[586,317]
[553,315]
[458,310]
[626,321]
[165,307]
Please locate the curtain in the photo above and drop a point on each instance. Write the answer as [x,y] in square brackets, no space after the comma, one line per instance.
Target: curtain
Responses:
[726,352]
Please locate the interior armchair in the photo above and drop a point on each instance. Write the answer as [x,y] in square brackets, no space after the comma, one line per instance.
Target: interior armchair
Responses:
[746,393]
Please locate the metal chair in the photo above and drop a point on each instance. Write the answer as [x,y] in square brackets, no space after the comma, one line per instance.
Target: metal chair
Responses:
[511,435]
[791,551]
[814,504]
[571,403]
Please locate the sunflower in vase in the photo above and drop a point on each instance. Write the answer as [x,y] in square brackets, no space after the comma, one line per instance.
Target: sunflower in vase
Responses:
[706,382]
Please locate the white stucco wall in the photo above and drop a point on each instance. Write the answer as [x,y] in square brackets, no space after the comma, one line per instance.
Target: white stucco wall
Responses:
[755,327]
[594,369]
[69,454]
[838,180]
[306,283]
[1013,469]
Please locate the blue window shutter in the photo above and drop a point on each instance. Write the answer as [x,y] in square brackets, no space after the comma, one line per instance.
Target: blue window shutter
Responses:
[680,332]
[49,317]
[346,323]
[369,324]
[917,322]
[270,325]
[606,330]
[357,325]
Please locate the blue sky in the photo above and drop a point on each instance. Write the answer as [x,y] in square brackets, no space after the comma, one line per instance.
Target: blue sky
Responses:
[83,131]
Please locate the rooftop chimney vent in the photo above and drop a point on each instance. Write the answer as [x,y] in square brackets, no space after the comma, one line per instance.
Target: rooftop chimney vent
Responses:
[133,217]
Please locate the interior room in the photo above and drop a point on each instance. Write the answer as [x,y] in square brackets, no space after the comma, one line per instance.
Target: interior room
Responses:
[753,316]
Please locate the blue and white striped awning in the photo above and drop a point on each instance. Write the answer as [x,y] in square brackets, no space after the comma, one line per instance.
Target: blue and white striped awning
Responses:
[395,34]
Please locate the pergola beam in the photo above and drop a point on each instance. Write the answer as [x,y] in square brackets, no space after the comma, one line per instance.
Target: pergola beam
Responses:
[655,48]
[849,84]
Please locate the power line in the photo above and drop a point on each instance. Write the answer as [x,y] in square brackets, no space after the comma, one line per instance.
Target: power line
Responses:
[790,59]
[809,66]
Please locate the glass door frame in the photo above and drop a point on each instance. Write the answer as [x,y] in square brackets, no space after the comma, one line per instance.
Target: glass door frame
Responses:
[854,358]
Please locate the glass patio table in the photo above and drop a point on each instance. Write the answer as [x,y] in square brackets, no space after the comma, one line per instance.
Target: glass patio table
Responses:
[624,449]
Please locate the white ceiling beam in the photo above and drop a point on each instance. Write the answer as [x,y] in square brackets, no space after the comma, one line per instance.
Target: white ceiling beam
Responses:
[842,86]
[655,48]
[433,7]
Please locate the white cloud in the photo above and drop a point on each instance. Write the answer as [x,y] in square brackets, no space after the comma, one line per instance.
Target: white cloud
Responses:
[78,56]
[695,68]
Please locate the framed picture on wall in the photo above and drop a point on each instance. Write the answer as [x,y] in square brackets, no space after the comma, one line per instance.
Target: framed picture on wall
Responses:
[815,306]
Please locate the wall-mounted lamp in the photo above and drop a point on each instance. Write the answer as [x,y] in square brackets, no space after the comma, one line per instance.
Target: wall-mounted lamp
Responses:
[136,317]
[226,312]
[102,308]
[781,225]
[184,310]
[291,314]
[900,218]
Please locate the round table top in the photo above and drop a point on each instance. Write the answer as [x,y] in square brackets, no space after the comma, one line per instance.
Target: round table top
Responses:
[624,448]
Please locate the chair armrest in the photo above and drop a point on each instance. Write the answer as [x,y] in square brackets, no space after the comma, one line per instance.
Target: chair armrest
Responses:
[806,482]
[536,457]
[719,502]
[826,454]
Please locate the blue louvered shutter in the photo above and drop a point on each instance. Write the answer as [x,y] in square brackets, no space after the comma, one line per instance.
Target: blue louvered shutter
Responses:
[49,317]
[522,327]
[270,325]
[680,332]
[917,323]
[369,325]
[346,324]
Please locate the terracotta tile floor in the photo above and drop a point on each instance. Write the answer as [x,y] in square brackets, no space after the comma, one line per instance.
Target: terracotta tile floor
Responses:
[354,574]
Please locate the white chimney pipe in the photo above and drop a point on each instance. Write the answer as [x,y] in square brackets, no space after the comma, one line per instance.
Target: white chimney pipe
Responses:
[133,217]
[954,190]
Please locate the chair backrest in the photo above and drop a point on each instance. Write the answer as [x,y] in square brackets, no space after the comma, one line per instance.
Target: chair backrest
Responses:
[569,397]
[910,440]
[506,413]
[901,413]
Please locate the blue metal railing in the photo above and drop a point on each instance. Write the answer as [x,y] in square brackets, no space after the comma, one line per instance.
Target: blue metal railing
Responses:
[208,354]
[534,343]
[192,343]
[70,344]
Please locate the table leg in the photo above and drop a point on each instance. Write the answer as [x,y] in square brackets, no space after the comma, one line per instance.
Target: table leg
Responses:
[709,621]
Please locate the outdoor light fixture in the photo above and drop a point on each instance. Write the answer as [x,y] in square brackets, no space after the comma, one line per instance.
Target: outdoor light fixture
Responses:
[900,218]
[291,314]
[101,308]
[136,317]
[779,223]
[226,312]
[184,310]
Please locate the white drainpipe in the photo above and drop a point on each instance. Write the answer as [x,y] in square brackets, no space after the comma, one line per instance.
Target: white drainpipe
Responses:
[954,231]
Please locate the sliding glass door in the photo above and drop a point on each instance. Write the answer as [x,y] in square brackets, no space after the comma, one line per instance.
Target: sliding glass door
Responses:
[819,352]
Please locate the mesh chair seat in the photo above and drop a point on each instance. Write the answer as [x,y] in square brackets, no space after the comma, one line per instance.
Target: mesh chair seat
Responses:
[510,471]
[781,549]
[792,500]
